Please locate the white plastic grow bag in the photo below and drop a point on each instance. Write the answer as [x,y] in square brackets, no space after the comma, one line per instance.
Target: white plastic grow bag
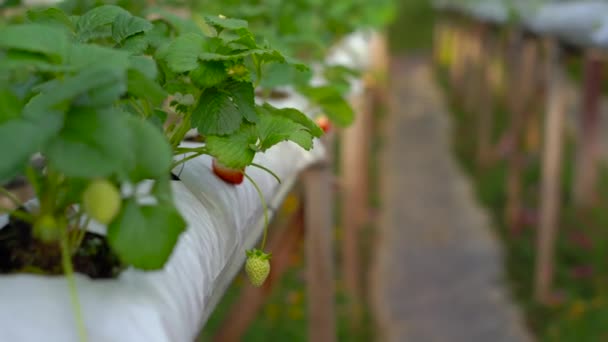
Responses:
[170,305]
[575,22]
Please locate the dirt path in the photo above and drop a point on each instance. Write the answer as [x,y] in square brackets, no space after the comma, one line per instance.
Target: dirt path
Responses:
[438,274]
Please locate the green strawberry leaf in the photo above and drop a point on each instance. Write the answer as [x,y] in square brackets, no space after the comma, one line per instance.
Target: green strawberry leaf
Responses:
[331,102]
[32,132]
[220,23]
[97,23]
[11,105]
[136,44]
[239,39]
[158,225]
[234,151]
[296,116]
[48,40]
[229,55]
[280,74]
[93,56]
[125,25]
[216,113]
[159,34]
[276,126]
[243,96]
[162,189]
[153,156]
[209,74]
[89,83]
[24,60]
[183,53]
[144,65]
[179,24]
[51,16]
[92,143]
[141,86]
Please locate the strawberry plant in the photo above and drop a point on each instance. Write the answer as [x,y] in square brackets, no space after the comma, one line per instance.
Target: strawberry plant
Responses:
[96,101]
[307,29]
[104,100]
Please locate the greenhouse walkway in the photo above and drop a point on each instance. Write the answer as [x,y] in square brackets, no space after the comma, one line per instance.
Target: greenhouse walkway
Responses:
[439,274]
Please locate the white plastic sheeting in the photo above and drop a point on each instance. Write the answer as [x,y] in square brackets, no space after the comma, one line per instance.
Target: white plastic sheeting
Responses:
[582,23]
[170,305]
[575,22]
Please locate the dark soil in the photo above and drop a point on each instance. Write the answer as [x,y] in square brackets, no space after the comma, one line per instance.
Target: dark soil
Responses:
[21,253]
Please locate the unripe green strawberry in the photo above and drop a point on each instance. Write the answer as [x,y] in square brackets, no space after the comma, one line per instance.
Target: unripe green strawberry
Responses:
[101,201]
[257,267]
[46,228]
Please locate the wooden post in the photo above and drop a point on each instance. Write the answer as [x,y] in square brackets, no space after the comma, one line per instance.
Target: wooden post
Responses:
[458,50]
[486,98]
[438,43]
[551,173]
[377,76]
[474,68]
[520,105]
[354,194]
[586,172]
[319,252]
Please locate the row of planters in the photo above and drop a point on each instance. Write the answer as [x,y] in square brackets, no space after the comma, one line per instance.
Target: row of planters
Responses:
[143,149]
[528,124]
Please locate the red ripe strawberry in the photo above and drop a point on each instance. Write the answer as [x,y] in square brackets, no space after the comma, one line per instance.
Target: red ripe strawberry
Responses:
[228,175]
[323,122]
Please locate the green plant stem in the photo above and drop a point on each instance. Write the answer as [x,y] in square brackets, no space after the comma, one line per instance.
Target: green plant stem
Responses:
[30,174]
[11,197]
[180,150]
[138,107]
[80,234]
[180,131]
[66,260]
[181,161]
[264,207]
[267,170]
[23,216]
[258,71]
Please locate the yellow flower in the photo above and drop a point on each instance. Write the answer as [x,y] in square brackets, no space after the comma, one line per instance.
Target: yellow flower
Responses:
[577,309]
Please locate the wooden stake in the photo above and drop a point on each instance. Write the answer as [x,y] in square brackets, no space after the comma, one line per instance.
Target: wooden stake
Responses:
[319,253]
[586,172]
[474,68]
[458,53]
[485,100]
[551,173]
[354,194]
[520,105]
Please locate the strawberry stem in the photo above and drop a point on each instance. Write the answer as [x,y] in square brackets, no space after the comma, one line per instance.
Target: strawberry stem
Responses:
[10,196]
[267,170]
[185,159]
[264,207]
[66,258]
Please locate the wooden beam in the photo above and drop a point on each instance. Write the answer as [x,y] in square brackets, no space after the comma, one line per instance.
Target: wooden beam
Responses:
[486,98]
[524,82]
[319,225]
[354,194]
[586,166]
[551,174]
